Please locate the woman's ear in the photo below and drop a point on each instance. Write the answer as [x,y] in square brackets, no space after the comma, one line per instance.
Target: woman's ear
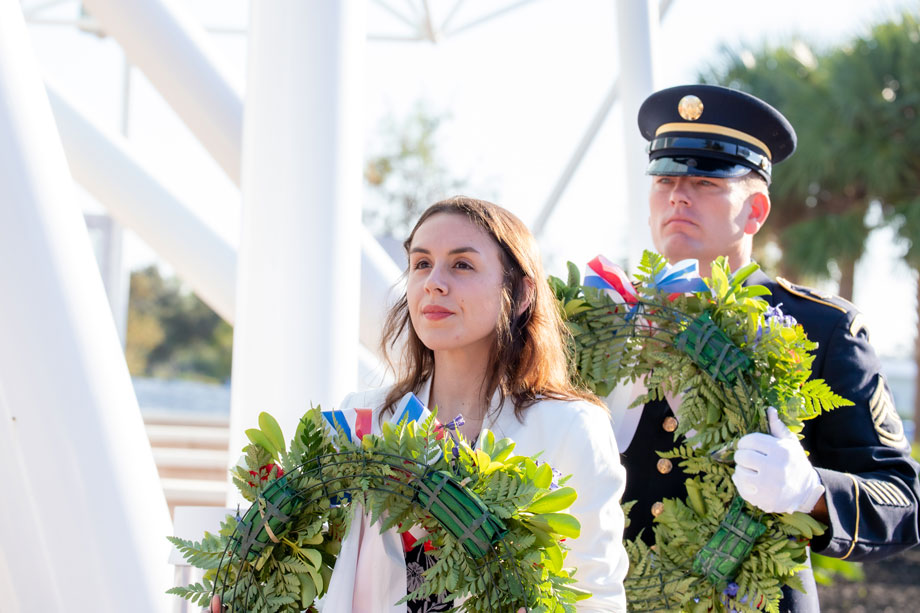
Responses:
[527,299]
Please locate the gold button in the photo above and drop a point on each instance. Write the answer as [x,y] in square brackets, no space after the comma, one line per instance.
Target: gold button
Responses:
[657,509]
[664,466]
[669,424]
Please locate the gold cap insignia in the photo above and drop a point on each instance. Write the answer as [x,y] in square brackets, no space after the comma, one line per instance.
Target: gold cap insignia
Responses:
[690,107]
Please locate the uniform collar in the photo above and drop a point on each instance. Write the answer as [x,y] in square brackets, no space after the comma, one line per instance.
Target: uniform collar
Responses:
[758,277]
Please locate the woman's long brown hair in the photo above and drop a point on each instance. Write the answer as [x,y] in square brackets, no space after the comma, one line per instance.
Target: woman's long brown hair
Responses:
[529,357]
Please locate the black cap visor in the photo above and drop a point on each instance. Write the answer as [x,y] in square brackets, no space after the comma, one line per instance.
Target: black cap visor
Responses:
[698,166]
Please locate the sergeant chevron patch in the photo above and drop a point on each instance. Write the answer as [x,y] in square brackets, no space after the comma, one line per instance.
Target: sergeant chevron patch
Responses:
[885,418]
[859,325]
[884,493]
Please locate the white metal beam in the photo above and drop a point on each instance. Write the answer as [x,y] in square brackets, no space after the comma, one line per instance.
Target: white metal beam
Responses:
[637,28]
[168,46]
[84,520]
[298,285]
[450,15]
[409,21]
[488,17]
[106,165]
[575,160]
[594,126]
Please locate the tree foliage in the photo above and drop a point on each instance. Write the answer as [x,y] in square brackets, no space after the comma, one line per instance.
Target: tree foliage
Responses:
[172,333]
[811,196]
[407,174]
[855,108]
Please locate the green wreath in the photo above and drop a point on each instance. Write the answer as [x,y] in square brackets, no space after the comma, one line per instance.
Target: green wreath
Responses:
[731,356]
[495,519]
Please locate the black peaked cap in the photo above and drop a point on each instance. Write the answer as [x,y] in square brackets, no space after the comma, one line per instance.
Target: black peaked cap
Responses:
[714,131]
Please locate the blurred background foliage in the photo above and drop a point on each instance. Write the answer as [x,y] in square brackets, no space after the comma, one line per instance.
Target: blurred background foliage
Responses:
[407,173]
[172,334]
[855,109]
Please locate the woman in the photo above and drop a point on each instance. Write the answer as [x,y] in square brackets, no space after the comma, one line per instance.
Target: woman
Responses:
[479,335]
[483,339]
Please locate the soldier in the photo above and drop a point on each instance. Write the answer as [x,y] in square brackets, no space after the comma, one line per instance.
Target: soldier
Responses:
[711,151]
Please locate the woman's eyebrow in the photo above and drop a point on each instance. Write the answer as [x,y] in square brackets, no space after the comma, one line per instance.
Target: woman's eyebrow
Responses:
[451,252]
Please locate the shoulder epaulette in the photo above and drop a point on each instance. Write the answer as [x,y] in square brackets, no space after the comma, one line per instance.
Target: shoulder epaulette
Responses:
[835,302]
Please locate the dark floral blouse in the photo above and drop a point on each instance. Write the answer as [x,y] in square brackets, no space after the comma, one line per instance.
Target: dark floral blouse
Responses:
[417,562]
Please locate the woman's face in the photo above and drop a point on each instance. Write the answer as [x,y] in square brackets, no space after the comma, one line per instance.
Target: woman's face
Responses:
[455,284]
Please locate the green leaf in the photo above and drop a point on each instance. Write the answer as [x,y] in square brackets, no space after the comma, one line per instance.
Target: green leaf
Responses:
[258,438]
[743,273]
[574,274]
[580,594]
[554,557]
[557,523]
[308,591]
[556,500]
[543,476]
[502,449]
[575,306]
[315,558]
[753,291]
[272,431]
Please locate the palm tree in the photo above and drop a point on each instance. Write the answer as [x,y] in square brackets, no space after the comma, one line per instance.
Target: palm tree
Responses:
[906,219]
[882,70]
[818,213]
[856,110]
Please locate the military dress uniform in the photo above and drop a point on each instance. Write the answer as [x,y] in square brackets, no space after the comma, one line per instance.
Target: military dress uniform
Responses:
[859,452]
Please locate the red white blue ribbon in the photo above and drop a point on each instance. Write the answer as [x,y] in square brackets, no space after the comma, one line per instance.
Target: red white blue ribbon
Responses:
[357,422]
[604,274]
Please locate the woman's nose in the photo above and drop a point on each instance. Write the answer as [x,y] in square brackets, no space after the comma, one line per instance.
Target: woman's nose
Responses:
[436,281]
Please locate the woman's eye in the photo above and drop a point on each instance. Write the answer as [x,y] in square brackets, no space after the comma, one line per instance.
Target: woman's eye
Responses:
[463,265]
[420,264]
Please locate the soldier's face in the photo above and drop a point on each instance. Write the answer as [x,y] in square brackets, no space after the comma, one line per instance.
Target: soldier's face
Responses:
[702,218]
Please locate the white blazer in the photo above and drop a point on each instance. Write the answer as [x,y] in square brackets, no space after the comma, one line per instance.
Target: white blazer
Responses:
[576,439]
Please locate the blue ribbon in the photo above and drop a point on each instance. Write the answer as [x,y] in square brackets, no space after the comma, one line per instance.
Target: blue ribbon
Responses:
[598,282]
[335,418]
[680,278]
[410,408]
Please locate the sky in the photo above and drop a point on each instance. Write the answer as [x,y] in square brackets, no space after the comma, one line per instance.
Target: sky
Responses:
[517,92]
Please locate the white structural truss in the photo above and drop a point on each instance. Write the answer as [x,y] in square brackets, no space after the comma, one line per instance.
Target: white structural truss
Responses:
[297,287]
[83,517]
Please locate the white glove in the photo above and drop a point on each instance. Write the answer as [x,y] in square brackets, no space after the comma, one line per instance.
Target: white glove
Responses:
[773,473]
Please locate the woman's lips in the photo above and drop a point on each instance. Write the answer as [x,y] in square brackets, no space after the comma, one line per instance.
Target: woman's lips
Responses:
[436,313]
